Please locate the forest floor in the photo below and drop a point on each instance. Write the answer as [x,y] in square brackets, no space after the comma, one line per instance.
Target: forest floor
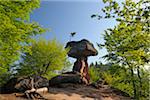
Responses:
[76,92]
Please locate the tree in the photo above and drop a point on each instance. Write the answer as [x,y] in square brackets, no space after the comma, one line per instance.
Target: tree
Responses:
[118,77]
[16,31]
[128,43]
[45,59]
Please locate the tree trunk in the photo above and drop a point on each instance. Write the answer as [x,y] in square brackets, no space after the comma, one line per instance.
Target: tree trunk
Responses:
[140,81]
[45,70]
[46,67]
[133,83]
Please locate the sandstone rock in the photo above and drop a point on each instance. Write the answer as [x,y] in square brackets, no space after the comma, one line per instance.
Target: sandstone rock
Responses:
[9,86]
[22,84]
[81,48]
[65,78]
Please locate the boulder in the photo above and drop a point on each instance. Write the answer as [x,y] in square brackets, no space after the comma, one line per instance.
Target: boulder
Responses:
[22,84]
[68,77]
[9,87]
[81,48]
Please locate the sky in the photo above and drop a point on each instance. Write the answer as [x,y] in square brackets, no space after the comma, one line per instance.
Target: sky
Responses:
[62,17]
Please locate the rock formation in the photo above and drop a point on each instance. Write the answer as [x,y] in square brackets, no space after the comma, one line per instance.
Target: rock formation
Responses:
[22,84]
[68,85]
[81,50]
[65,78]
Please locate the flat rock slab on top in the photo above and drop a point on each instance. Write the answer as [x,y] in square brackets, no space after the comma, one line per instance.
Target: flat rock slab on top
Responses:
[81,48]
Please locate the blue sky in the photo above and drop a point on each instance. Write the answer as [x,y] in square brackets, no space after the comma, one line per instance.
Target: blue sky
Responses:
[62,17]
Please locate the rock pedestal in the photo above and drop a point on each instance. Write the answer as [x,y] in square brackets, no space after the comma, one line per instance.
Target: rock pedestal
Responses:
[81,66]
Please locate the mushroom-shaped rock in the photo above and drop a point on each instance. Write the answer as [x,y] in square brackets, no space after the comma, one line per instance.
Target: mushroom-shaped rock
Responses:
[81,48]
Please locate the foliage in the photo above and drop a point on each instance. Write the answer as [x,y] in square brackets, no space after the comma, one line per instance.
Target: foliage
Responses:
[16,30]
[145,83]
[121,79]
[128,42]
[118,77]
[4,78]
[45,59]
[94,74]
